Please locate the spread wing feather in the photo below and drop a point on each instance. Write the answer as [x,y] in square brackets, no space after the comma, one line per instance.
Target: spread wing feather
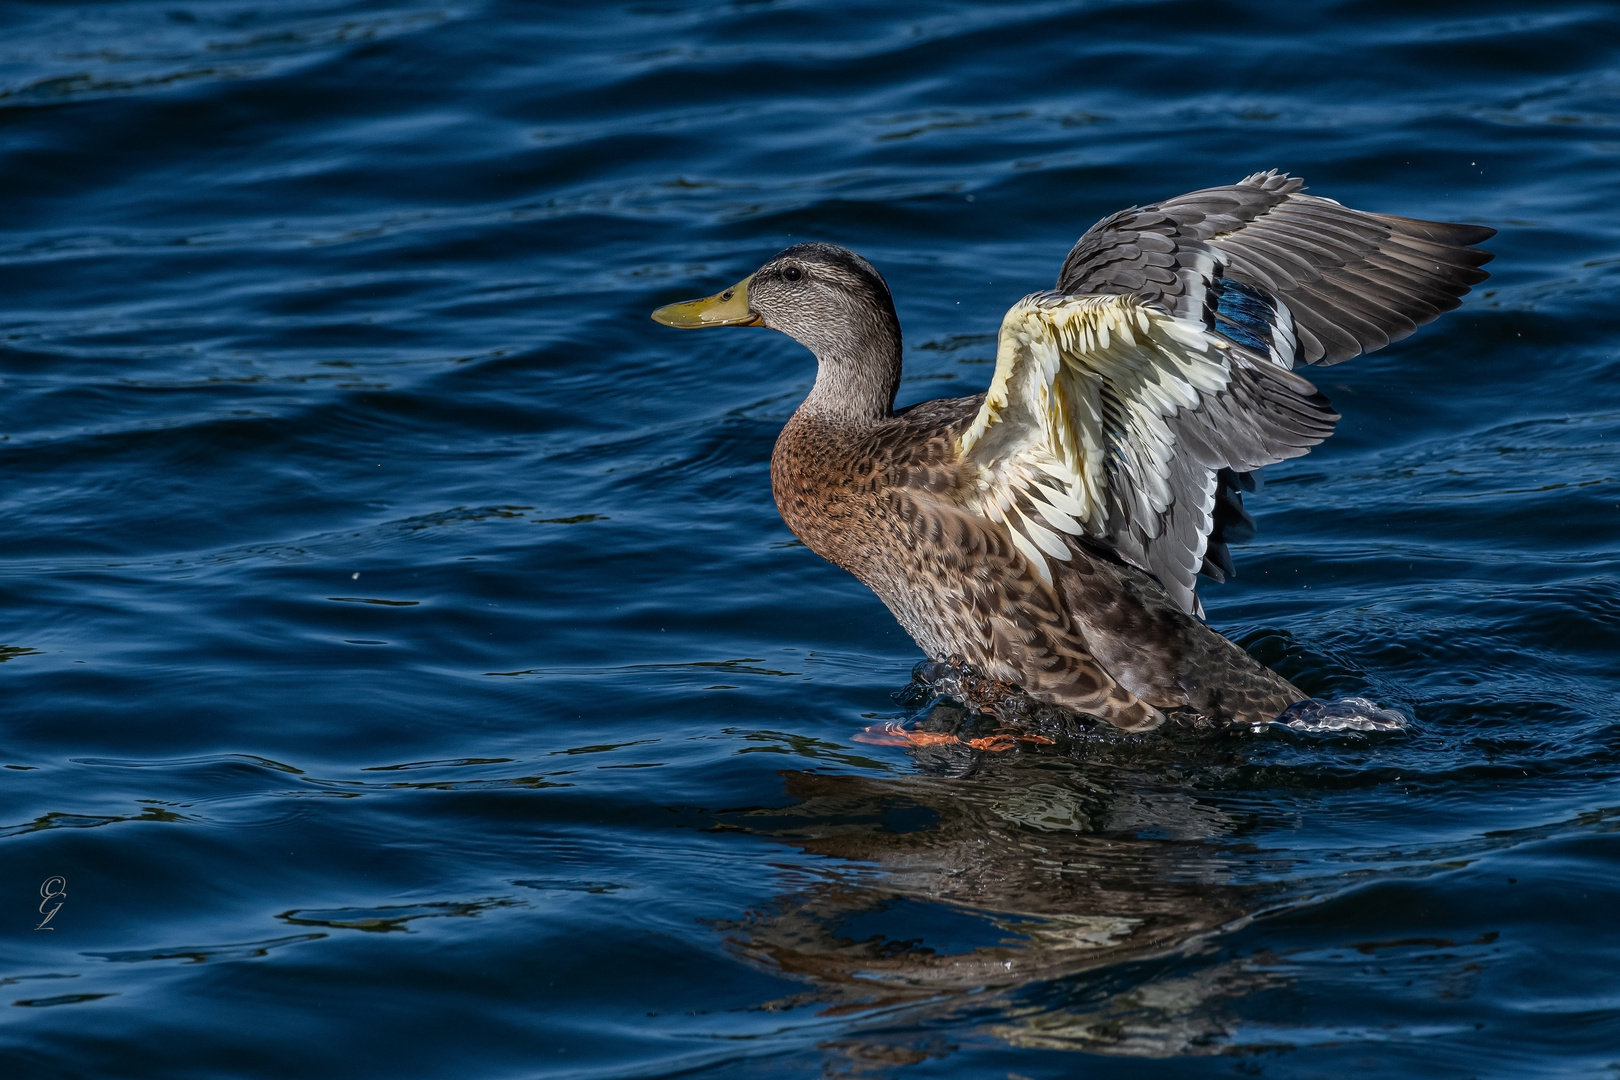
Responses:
[1109,418]
[1130,404]
[1338,281]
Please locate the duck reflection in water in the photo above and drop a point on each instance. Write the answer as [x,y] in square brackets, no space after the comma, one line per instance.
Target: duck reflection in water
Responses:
[1009,886]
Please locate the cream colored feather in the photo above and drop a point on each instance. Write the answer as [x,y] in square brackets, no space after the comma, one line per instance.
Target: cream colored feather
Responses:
[1039,441]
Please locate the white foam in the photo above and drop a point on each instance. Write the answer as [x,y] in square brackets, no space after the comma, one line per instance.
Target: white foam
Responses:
[1350,714]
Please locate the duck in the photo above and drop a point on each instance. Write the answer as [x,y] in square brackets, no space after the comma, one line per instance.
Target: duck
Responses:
[1050,533]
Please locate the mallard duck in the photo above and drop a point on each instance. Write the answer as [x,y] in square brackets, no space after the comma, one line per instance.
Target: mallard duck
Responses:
[1050,531]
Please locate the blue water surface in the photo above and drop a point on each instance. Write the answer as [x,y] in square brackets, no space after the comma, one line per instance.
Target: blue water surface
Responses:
[406,673]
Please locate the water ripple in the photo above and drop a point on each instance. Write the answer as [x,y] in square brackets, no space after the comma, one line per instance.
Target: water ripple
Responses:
[379,579]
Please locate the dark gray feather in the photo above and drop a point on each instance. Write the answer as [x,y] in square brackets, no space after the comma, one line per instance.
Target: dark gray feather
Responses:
[1355,281]
[1265,414]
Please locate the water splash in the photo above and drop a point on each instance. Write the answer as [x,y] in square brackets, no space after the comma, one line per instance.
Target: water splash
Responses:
[1003,714]
[1350,714]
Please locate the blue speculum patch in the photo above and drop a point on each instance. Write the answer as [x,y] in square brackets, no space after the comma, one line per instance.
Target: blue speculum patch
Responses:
[1245,314]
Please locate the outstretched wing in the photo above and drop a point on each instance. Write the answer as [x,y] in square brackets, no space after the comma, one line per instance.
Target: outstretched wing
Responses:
[1234,283]
[1109,418]
[1296,277]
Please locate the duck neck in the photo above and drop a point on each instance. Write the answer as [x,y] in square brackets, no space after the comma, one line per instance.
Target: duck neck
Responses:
[856,380]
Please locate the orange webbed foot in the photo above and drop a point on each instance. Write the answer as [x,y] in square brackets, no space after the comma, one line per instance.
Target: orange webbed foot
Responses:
[894,733]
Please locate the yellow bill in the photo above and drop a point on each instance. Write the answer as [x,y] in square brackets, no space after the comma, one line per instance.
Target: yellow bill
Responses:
[728,308]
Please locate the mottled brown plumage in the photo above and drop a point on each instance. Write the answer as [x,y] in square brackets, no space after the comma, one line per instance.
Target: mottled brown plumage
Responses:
[1104,639]
[1050,533]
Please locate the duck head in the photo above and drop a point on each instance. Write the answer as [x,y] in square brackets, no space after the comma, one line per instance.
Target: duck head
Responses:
[831,301]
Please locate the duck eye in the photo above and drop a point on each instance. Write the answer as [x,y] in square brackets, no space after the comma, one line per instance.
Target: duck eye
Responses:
[792,273]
